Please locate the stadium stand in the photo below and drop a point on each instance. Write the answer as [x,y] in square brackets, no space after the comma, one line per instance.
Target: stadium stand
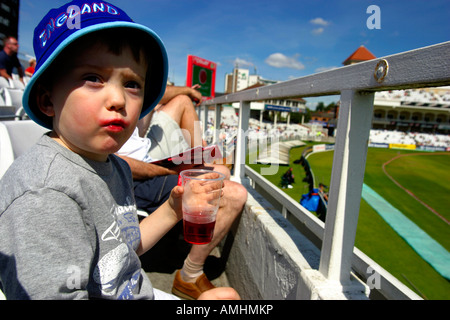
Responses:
[15,138]
[17,84]
[413,138]
[4,83]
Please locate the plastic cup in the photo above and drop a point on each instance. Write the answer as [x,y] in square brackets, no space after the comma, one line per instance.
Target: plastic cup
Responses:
[201,197]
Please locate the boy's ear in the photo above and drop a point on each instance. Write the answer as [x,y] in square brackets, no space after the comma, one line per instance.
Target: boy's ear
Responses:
[44,101]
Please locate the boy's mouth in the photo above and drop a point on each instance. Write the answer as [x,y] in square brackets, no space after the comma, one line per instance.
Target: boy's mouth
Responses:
[116,125]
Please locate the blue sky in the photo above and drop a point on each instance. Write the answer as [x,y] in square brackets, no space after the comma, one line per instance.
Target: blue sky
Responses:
[279,40]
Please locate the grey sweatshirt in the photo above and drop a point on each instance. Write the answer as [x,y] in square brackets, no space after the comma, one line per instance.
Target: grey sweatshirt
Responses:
[68,228]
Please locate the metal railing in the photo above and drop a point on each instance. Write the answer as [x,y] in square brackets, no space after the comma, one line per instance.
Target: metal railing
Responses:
[356,85]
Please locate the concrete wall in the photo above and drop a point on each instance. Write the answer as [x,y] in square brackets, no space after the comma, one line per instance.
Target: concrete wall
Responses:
[270,259]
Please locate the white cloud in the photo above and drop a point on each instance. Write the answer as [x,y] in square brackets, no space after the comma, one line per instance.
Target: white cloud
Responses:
[319,22]
[279,60]
[242,63]
[317,31]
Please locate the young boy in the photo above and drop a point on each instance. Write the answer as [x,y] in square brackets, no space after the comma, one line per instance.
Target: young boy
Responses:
[68,222]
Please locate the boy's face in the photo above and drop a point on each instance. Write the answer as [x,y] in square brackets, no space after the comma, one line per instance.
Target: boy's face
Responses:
[96,105]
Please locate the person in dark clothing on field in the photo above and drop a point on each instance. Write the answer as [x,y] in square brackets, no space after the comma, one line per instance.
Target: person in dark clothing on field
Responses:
[287,179]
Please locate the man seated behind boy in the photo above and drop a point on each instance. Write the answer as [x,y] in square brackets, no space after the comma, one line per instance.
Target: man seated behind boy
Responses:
[67,213]
[173,132]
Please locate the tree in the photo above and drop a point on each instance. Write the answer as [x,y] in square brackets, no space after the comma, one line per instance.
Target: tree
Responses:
[331,106]
[320,107]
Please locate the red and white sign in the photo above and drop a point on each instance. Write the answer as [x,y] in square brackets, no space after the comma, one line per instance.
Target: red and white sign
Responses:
[203,73]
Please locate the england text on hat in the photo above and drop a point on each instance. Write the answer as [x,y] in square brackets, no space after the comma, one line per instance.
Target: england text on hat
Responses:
[73,12]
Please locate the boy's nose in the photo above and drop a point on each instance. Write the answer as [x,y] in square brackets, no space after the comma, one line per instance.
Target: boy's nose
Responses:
[116,99]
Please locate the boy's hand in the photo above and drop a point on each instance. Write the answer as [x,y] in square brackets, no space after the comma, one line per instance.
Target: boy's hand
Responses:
[175,201]
[203,195]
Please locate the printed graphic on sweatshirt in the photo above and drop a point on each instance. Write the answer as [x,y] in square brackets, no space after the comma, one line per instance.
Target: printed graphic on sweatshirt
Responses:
[120,267]
[125,225]
[115,268]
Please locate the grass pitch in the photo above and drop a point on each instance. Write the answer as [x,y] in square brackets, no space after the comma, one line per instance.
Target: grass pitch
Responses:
[426,176]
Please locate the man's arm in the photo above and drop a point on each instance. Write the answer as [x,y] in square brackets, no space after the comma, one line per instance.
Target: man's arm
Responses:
[21,73]
[4,74]
[173,91]
[142,170]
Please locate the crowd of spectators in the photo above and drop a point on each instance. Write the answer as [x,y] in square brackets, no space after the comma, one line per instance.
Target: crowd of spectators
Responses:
[229,127]
[417,96]
[413,138]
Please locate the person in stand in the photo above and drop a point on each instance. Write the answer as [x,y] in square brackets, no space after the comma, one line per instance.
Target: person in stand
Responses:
[30,70]
[173,132]
[322,191]
[9,60]
[67,213]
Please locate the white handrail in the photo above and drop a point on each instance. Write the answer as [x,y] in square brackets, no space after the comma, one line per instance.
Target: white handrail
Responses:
[425,67]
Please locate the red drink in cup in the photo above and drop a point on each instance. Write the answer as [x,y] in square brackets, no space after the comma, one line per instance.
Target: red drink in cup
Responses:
[201,197]
[198,227]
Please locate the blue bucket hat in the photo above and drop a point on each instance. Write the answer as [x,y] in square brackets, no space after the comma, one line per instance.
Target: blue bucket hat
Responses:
[62,26]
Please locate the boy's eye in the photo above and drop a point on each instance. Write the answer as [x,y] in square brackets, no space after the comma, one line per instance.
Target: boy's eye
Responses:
[92,78]
[133,85]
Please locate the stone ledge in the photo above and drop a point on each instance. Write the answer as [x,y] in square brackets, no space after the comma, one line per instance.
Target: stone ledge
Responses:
[270,259]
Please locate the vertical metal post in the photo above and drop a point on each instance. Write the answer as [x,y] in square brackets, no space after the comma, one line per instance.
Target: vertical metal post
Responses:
[239,161]
[205,118]
[218,109]
[347,177]
[199,110]
[284,212]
